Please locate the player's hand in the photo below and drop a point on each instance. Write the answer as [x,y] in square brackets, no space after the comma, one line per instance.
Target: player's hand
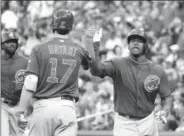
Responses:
[19,114]
[97,35]
[162,116]
[22,122]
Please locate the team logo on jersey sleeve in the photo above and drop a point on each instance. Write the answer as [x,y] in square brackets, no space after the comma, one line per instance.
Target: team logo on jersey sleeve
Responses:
[20,75]
[151,83]
[19,79]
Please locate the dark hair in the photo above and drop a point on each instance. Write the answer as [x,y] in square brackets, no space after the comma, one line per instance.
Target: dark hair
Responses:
[62,31]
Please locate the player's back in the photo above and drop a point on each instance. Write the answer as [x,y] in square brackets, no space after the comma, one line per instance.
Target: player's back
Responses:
[59,61]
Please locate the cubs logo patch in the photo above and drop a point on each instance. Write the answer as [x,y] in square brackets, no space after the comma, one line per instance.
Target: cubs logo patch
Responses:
[151,83]
[20,76]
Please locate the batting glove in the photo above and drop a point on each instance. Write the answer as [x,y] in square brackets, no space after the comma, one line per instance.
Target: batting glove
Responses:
[97,36]
[162,116]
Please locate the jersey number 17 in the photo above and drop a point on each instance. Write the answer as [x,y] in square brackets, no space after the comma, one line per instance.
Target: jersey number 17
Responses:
[53,75]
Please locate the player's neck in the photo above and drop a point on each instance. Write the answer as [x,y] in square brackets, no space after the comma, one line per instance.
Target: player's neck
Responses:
[138,59]
[61,36]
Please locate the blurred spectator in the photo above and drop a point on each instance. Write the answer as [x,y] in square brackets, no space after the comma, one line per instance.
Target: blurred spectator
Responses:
[113,41]
[9,19]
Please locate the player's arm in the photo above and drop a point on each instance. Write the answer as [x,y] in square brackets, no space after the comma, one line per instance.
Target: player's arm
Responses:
[99,68]
[21,110]
[165,92]
[30,85]
[86,59]
[30,82]
[167,103]
[166,99]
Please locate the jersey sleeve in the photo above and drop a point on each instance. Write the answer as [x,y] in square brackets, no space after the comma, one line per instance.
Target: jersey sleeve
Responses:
[33,64]
[86,59]
[108,69]
[164,88]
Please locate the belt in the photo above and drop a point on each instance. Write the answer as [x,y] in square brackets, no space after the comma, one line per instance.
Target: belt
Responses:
[131,117]
[64,97]
[9,102]
[67,97]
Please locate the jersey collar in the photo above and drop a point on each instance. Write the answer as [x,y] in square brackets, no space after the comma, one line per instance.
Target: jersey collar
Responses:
[61,36]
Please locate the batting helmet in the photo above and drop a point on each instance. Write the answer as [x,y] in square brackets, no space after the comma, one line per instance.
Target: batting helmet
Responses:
[138,33]
[63,19]
[8,36]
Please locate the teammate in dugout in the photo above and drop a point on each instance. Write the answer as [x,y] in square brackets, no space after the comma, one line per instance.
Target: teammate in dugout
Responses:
[13,68]
[52,80]
[137,81]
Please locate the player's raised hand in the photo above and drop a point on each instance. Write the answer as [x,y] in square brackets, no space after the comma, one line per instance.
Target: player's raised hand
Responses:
[97,35]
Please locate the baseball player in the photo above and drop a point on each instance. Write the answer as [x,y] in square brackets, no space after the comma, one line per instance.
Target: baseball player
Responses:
[52,80]
[13,69]
[137,81]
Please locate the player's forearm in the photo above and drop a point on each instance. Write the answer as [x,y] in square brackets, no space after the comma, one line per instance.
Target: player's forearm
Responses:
[167,103]
[26,95]
[95,67]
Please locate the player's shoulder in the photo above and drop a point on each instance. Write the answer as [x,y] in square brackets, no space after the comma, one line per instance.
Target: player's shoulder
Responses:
[43,44]
[118,62]
[156,66]
[119,59]
[21,57]
[21,60]
[158,69]
[37,46]
[79,46]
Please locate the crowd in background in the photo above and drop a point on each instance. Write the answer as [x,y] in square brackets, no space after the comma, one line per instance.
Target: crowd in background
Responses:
[162,20]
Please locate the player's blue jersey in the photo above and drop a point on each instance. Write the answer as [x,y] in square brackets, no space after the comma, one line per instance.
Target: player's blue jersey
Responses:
[12,77]
[57,64]
[135,86]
